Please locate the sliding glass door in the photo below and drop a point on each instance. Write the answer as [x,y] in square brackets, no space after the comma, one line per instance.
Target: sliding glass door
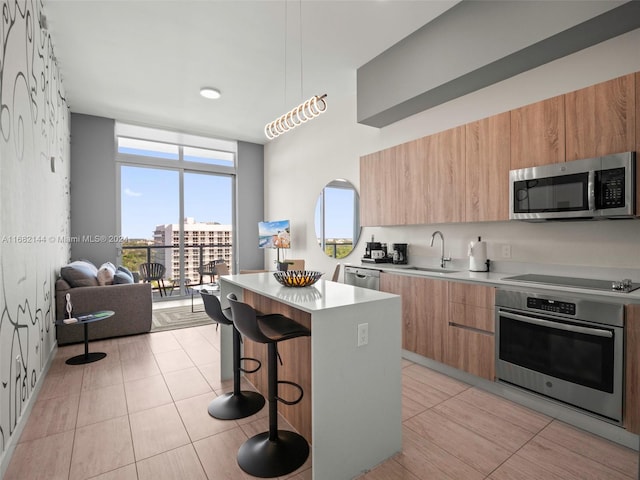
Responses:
[176,210]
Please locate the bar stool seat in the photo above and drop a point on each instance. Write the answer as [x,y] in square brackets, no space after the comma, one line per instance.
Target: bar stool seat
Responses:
[277,452]
[239,403]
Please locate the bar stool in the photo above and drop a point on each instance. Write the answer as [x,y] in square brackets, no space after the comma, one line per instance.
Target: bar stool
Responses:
[277,452]
[237,404]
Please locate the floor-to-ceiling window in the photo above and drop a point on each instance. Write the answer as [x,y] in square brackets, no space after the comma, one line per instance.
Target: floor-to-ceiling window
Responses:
[176,204]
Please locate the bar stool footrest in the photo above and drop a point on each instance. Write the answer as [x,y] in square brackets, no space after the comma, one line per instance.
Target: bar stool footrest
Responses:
[232,406]
[290,402]
[249,359]
[266,458]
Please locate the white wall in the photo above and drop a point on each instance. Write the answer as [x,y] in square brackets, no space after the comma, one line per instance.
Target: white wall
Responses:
[34,210]
[298,164]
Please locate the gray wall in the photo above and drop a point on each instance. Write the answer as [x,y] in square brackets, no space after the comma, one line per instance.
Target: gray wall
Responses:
[93,189]
[249,205]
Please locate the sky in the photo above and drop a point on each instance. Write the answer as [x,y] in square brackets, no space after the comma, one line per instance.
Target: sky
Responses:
[149,197]
[338,213]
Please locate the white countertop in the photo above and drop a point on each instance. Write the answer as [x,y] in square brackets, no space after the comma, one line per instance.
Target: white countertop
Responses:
[322,295]
[497,279]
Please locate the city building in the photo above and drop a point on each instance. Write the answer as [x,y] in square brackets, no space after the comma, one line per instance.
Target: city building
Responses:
[203,241]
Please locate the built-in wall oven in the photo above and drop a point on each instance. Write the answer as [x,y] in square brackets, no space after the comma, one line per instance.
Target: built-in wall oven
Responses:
[568,349]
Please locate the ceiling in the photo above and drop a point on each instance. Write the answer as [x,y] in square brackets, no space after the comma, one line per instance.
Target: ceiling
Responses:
[145,61]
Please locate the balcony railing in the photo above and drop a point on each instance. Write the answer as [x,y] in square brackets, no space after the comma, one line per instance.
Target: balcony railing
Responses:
[194,257]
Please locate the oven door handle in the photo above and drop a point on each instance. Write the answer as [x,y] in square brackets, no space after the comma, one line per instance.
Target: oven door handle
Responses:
[559,326]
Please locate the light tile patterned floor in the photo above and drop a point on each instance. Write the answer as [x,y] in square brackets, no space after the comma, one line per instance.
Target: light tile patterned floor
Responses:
[141,414]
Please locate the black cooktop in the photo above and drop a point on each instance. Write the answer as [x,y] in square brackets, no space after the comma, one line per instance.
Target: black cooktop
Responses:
[588,283]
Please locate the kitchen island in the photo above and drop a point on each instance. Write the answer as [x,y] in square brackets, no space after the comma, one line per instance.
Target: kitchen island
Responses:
[351,412]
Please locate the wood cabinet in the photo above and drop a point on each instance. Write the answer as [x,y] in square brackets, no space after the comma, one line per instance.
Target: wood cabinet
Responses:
[487,161]
[424,312]
[600,119]
[461,174]
[296,363]
[637,142]
[377,178]
[443,154]
[538,133]
[415,183]
[470,329]
[631,420]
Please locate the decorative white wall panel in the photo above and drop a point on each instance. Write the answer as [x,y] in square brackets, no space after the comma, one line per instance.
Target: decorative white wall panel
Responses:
[34,206]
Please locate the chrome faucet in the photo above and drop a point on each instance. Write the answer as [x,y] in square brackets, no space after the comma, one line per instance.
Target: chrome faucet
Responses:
[443,259]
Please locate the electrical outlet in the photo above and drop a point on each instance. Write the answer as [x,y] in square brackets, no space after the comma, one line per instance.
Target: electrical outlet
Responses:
[506,251]
[363,334]
[18,362]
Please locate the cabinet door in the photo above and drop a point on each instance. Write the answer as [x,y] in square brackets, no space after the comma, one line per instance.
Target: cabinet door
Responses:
[601,119]
[412,189]
[445,178]
[472,351]
[424,312]
[470,329]
[472,294]
[377,181]
[637,143]
[631,419]
[538,134]
[487,160]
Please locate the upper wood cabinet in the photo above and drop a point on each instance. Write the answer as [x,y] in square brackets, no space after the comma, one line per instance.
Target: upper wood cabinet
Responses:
[445,177]
[376,178]
[415,183]
[424,312]
[538,134]
[461,174]
[601,119]
[488,157]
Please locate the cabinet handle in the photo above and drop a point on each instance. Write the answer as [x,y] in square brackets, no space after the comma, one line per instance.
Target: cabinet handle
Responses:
[471,329]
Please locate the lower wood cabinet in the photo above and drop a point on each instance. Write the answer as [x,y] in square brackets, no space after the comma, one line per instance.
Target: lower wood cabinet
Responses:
[450,322]
[424,312]
[470,329]
[631,418]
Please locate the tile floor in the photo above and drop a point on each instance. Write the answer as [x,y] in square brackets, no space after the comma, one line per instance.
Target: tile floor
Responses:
[141,413]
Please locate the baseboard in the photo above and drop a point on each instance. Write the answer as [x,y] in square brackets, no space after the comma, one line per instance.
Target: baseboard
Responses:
[22,421]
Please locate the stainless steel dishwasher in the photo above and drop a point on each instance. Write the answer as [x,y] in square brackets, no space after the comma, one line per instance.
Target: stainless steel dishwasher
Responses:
[362,277]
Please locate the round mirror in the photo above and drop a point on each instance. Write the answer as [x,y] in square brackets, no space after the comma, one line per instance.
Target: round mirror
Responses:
[337,218]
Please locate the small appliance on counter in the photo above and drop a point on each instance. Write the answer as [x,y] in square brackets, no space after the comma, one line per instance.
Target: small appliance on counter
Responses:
[399,253]
[478,256]
[375,252]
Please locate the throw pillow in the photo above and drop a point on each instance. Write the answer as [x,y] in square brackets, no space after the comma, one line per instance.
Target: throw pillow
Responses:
[106,273]
[123,275]
[80,273]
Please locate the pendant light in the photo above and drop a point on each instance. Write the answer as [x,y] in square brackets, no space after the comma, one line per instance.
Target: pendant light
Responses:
[304,112]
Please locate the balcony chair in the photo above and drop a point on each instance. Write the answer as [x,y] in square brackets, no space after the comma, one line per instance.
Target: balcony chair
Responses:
[212,269]
[277,452]
[150,272]
[239,403]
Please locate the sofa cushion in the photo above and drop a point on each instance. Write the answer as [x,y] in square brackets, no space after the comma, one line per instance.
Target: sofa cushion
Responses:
[123,275]
[106,273]
[80,273]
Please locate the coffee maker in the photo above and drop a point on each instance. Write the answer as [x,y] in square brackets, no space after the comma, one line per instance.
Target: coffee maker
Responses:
[399,253]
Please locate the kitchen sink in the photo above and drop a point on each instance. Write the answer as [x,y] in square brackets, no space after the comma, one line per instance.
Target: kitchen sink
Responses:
[434,270]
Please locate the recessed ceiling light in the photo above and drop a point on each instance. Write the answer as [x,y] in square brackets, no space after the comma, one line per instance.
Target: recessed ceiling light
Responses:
[208,92]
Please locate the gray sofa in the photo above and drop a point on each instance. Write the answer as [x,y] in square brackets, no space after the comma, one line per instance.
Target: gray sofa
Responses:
[131,303]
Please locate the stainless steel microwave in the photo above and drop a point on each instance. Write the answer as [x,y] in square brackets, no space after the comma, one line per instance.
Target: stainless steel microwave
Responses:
[602,187]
